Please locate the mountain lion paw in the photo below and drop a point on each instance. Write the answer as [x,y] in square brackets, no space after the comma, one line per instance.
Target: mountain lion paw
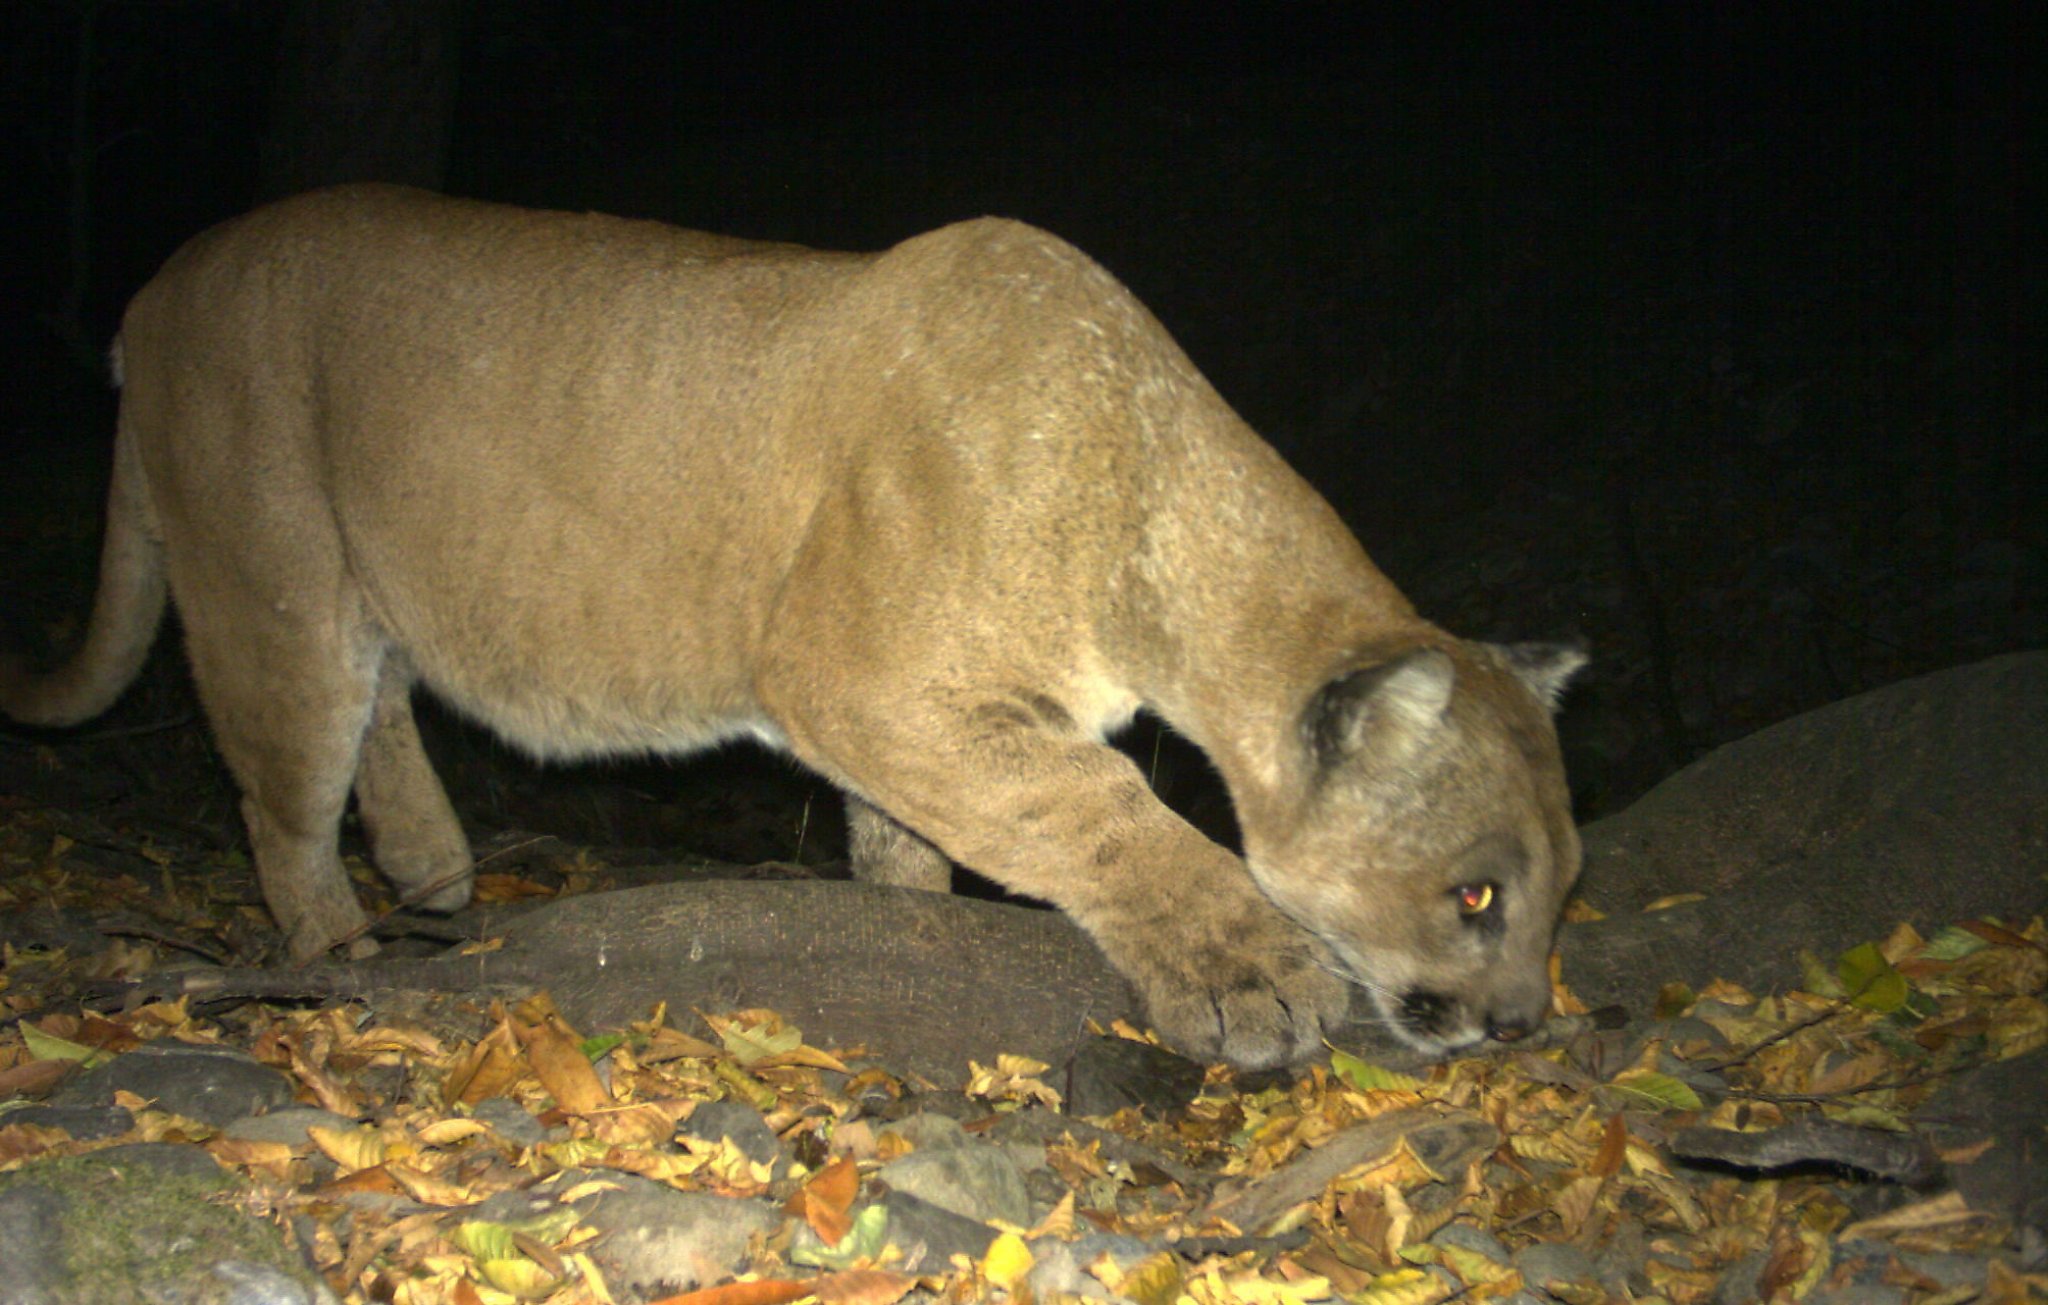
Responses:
[1259,997]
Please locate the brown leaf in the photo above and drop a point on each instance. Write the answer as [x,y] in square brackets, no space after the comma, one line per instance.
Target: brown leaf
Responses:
[824,1201]
[558,1061]
[485,1070]
[766,1291]
[863,1287]
[34,1079]
[1613,1149]
[1991,933]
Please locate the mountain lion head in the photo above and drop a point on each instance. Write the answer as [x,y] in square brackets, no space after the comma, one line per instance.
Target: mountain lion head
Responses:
[1431,850]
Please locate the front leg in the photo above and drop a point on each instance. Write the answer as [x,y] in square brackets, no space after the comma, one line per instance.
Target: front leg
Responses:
[1221,971]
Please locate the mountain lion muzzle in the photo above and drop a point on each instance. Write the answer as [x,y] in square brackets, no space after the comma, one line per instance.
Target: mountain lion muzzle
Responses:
[934,521]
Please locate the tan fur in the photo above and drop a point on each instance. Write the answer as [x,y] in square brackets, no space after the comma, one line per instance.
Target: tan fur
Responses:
[934,520]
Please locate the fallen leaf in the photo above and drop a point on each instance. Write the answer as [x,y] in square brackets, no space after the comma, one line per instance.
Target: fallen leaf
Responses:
[863,1287]
[556,1055]
[824,1201]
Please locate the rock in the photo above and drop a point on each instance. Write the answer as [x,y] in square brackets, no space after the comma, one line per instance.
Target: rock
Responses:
[2005,1103]
[1060,1268]
[660,1241]
[31,1244]
[928,1130]
[1545,1263]
[86,1123]
[1470,1237]
[213,1085]
[712,1121]
[979,1182]
[1109,1074]
[930,1235]
[259,1284]
[287,1126]
[512,1122]
[1926,800]
[140,1222]
[1622,1262]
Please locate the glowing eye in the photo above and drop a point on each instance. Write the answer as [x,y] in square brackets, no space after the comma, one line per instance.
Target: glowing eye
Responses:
[1473,899]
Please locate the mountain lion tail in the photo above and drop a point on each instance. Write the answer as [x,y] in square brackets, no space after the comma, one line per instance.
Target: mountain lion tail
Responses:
[125,614]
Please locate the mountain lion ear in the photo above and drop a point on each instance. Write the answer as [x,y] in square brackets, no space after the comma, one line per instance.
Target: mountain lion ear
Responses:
[1409,693]
[1545,667]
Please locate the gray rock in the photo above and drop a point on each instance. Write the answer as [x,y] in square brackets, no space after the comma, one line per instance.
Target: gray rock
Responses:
[1923,800]
[980,1182]
[30,1216]
[214,1085]
[144,1223]
[743,1126]
[930,1236]
[1471,1237]
[86,1123]
[2003,1101]
[1061,1267]
[928,1130]
[1543,1263]
[1057,1269]
[287,1126]
[161,1160]
[1860,1294]
[1623,1261]
[1954,1272]
[260,1284]
[1110,1074]
[511,1121]
[1738,1282]
[660,1241]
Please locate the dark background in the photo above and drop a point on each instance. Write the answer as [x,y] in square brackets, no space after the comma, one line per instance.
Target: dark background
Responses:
[1709,333]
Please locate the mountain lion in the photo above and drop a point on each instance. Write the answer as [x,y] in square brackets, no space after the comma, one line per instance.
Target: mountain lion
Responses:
[934,521]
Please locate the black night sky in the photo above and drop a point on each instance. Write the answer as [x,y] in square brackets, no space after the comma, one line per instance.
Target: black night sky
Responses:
[1707,332]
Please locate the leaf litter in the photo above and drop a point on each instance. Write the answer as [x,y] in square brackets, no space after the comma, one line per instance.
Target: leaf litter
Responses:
[1351,1182]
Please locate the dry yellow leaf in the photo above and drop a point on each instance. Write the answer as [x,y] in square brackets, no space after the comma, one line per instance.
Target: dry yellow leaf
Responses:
[1007,1262]
[351,1148]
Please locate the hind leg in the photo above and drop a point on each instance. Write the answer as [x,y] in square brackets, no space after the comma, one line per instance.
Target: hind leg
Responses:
[884,852]
[289,692]
[414,835]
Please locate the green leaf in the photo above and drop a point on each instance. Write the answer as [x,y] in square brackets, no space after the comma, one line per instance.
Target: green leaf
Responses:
[867,1238]
[1952,944]
[484,1240]
[1659,1090]
[1368,1077]
[48,1046]
[595,1048]
[748,1045]
[1870,980]
[1816,977]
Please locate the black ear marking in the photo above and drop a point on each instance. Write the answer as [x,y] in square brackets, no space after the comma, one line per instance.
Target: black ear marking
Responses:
[1411,692]
[1545,667]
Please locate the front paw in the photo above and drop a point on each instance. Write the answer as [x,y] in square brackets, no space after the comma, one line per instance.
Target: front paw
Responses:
[1258,991]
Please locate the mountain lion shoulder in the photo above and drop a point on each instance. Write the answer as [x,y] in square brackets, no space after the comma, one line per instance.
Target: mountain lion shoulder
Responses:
[934,521]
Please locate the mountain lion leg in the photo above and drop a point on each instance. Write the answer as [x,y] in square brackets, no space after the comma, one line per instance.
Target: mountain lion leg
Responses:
[414,835]
[1071,821]
[289,700]
[884,852]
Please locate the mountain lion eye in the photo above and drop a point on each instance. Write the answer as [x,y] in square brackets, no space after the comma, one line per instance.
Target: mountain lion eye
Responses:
[1473,899]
